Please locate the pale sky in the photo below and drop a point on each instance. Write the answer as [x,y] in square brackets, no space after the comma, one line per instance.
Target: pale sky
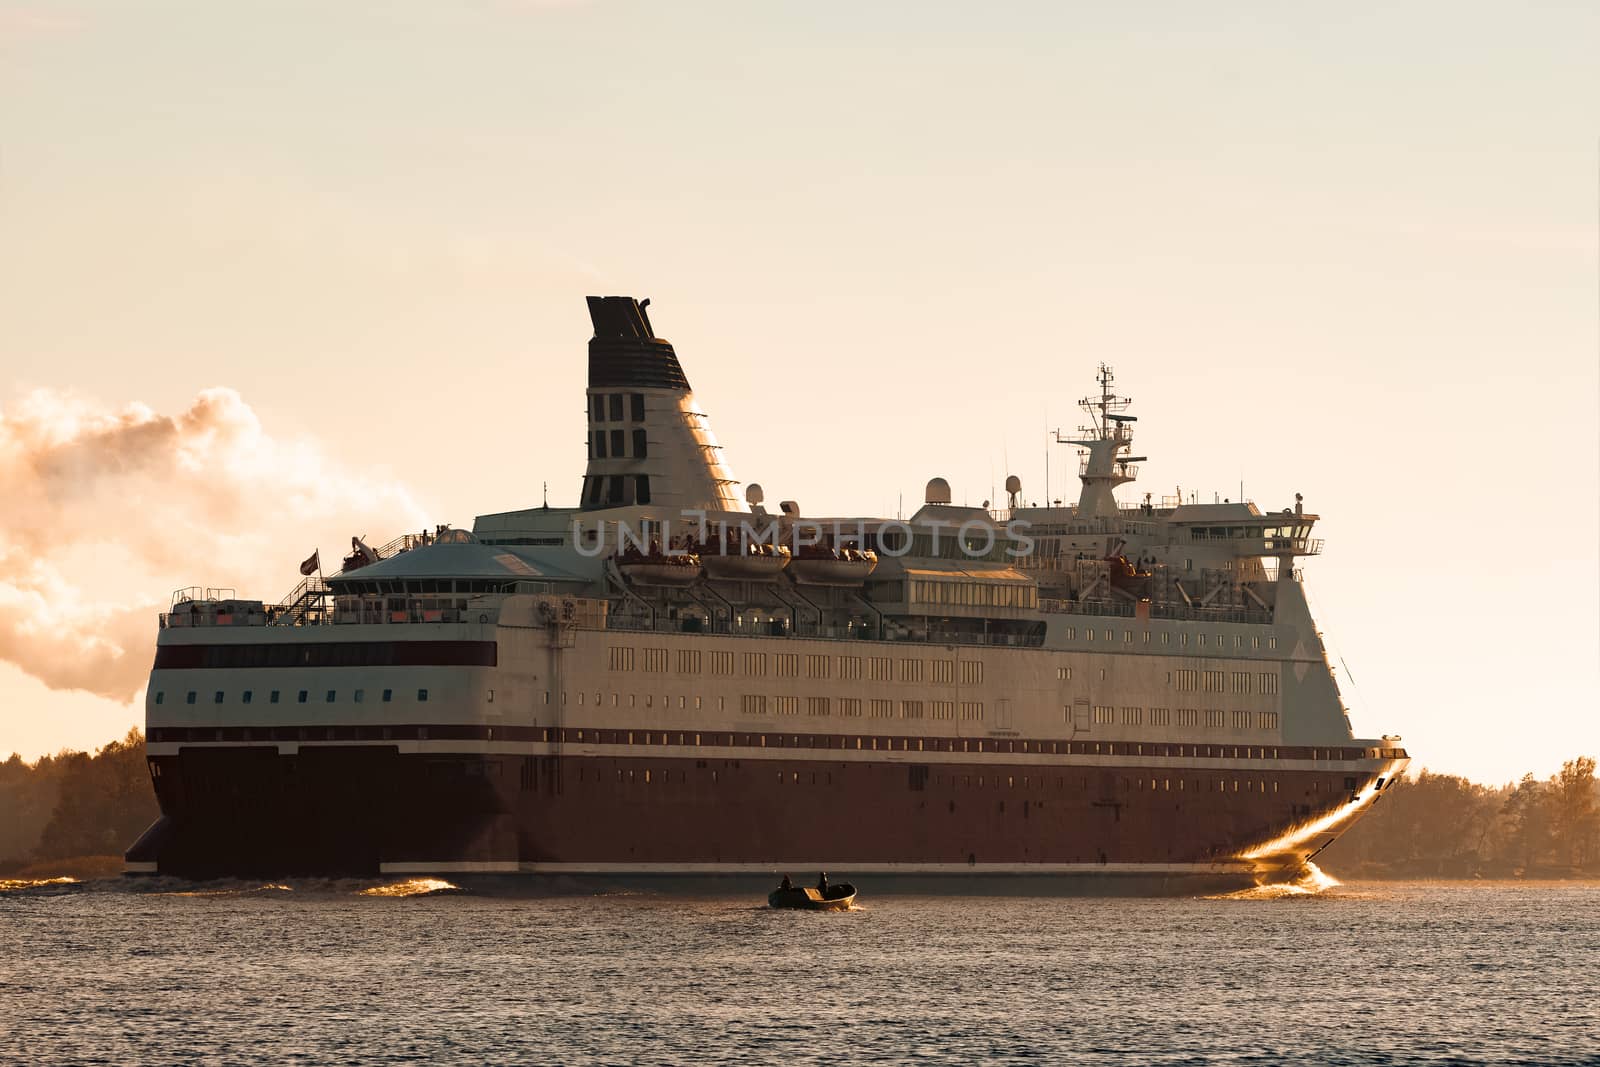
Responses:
[1350,254]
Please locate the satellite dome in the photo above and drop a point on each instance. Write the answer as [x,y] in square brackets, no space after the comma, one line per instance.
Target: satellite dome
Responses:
[1013,484]
[938,492]
[753,495]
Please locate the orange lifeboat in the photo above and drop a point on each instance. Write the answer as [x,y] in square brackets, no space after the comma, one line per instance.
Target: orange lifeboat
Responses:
[1126,575]
[656,567]
[730,558]
[821,564]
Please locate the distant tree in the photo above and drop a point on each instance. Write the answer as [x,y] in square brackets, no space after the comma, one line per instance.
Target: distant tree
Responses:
[1574,818]
[105,802]
[28,794]
[1527,817]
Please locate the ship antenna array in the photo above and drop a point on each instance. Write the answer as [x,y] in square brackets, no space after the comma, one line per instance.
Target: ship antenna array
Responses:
[1105,409]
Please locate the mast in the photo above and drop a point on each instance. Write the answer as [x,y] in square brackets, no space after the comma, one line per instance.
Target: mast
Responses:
[1104,444]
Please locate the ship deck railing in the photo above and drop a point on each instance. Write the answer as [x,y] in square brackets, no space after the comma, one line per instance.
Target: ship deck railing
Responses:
[811,631]
[1127,609]
[367,615]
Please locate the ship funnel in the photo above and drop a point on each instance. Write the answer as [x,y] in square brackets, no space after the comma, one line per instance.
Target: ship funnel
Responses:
[648,441]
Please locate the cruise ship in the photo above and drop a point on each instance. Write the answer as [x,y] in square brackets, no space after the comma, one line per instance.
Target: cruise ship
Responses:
[670,680]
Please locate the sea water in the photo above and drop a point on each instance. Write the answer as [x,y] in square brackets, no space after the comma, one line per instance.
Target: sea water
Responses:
[419,971]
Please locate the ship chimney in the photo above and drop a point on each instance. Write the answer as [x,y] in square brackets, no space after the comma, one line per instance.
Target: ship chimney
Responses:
[648,442]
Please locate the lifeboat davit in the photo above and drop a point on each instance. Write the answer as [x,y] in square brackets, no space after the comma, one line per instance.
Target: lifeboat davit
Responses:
[657,567]
[730,559]
[822,565]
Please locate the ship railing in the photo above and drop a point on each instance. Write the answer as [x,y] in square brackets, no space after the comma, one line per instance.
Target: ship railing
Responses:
[1125,471]
[206,616]
[1177,612]
[809,631]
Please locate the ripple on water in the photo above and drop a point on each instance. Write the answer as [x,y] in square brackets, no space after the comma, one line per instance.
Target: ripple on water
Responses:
[1375,973]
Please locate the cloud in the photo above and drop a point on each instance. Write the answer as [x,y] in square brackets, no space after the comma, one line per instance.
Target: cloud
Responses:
[103,513]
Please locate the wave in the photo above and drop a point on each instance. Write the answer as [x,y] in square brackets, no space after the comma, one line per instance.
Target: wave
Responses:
[1313,881]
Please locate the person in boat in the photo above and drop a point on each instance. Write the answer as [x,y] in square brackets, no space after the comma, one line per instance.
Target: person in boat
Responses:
[786,884]
[822,883]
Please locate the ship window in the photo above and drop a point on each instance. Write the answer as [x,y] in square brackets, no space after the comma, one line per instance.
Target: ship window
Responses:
[598,444]
[160,697]
[614,488]
[422,695]
[641,446]
[301,698]
[331,697]
[247,696]
[273,698]
[597,408]
[641,489]
[388,695]
[636,401]
[217,698]
[615,400]
[360,695]
[1272,642]
[617,443]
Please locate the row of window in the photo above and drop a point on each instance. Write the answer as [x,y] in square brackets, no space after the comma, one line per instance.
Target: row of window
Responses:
[1215,719]
[604,407]
[617,445]
[615,490]
[974,594]
[851,707]
[788,664]
[1189,681]
[275,696]
[647,776]
[1219,641]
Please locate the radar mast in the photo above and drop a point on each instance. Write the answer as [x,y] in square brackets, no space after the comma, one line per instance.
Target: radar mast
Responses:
[1104,444]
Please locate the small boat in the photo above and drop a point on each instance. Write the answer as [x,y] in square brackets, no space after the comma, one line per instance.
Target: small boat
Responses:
[822,565]
[657,567]
[729,558]
[837,897]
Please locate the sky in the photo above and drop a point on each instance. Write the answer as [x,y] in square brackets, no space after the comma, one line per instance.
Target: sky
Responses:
[273,274]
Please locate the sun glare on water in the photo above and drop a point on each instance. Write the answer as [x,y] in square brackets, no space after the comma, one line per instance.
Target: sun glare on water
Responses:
[1313,881]
[411,887]
[11,885]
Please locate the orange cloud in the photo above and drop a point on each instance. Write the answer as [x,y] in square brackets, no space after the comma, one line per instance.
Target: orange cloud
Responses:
[106,512]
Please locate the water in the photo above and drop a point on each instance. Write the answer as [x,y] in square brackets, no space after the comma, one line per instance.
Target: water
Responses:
[333,972]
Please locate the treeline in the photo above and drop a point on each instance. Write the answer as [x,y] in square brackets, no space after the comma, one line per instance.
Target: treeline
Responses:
[1443,826]
[74,804]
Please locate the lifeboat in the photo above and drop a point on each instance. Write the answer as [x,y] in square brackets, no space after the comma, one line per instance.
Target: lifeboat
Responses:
[1125,575]
[656,567]
[729,558]
[822,565]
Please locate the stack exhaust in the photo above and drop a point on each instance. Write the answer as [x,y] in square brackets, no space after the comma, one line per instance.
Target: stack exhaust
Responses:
[648,441]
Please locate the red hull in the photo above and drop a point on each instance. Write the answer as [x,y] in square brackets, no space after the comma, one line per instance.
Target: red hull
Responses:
[364,809]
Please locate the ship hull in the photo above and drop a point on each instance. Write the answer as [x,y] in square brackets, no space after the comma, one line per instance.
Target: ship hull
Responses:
[725,818]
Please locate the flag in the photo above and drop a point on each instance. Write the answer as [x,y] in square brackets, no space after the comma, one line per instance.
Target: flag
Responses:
[312,565]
